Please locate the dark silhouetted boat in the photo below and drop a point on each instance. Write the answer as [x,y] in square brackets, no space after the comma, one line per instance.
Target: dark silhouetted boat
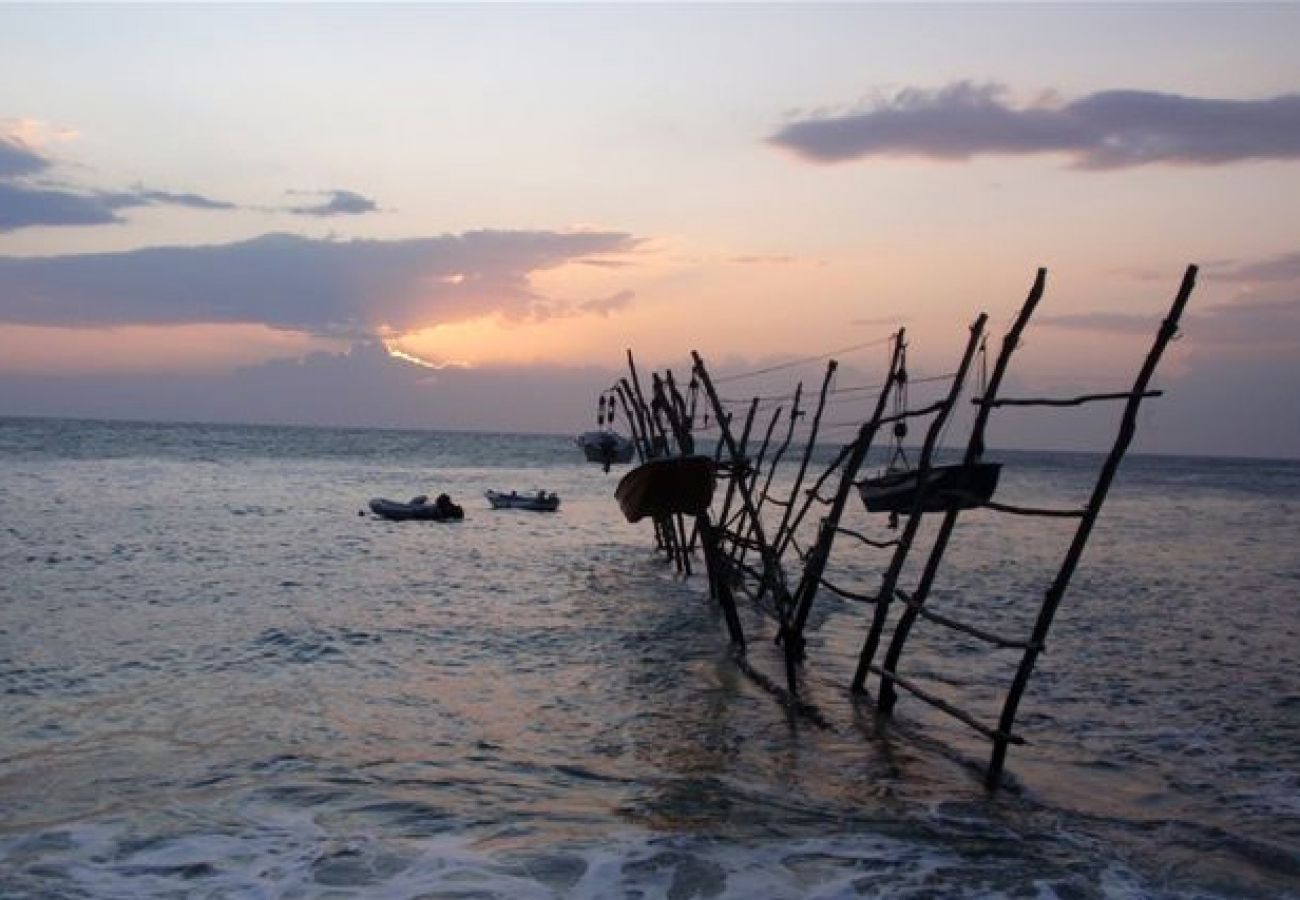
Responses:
[946,487]
[605,447]
[665,486]
[441,510]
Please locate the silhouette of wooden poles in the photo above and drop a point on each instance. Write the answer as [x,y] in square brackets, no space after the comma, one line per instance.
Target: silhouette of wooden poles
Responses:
[940,411]
[819,555]
[765,494]
[743,528]
[974,452]
[735,466]
[789,524]
[739,525]
[914,603]
[1052,599]
[772,575]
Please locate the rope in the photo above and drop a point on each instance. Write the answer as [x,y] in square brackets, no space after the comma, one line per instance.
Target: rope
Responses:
[802,362]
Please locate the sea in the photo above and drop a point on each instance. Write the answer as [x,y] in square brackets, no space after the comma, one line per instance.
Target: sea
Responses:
[221,677]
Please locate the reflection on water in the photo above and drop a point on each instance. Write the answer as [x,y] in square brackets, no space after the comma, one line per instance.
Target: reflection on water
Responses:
[220,679]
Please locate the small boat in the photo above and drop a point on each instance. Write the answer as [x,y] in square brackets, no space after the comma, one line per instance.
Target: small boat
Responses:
[946,487]
[667,485]
[441,510]
[538,502]
[605,447]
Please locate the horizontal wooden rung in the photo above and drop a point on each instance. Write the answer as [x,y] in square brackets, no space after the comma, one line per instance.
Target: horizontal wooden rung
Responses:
[847,595]
[991,733]
[1062,401]
[839,529]
[987,636]
[1032,510]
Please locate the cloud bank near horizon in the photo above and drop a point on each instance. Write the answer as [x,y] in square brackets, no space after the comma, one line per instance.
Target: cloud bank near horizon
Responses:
[1102,131]
[323,287]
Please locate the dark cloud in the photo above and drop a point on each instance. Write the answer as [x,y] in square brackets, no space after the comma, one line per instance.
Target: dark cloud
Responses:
[27,207]
[299,284]
[24,207]
[18,160]
[1105,130]
[143,197]
[338,203]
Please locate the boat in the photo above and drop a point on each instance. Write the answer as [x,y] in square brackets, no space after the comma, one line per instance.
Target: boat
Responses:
[605,447]
[538,502]
[961,486]
[441,510]
[665,486]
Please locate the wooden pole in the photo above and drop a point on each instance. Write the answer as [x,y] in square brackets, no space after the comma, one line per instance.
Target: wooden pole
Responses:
[771,570]
[785,531]
[974,452]
[1128,427]
[890,580]
[817,560]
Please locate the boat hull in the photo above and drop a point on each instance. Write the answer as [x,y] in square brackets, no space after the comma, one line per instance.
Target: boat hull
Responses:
[667,486]
[396,511]
[946,487]
[499,500]
[605,447]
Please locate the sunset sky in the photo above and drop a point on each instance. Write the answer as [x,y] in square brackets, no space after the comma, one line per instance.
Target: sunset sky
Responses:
[460,216]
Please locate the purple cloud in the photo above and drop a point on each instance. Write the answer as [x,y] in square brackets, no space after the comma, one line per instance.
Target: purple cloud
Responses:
[24,207]
[28,207]
[338,203]
[358,288]
[18,160]
[1105,130]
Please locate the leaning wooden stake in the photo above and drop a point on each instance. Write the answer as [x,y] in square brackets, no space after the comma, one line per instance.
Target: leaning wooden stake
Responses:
[772,575]
[890,580]
[785,531]
[815,566]
[974,452]
[1128,426]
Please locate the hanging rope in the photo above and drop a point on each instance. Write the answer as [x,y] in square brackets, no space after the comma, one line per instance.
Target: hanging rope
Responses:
[900,407]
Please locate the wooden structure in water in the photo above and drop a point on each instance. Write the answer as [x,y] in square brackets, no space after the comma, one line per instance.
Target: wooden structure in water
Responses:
[758,543]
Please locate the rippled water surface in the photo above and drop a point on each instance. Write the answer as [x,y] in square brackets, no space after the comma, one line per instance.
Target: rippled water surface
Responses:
[219,679]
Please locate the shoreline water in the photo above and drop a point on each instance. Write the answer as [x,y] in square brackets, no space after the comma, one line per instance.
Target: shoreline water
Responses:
[219,680]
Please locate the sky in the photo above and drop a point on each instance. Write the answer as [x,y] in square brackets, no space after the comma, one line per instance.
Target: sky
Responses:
[462,216]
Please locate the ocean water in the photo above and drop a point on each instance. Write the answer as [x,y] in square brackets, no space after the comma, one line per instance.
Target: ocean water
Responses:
[218,678]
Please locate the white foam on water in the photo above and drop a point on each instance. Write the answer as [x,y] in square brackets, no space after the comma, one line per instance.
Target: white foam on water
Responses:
[287,855]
